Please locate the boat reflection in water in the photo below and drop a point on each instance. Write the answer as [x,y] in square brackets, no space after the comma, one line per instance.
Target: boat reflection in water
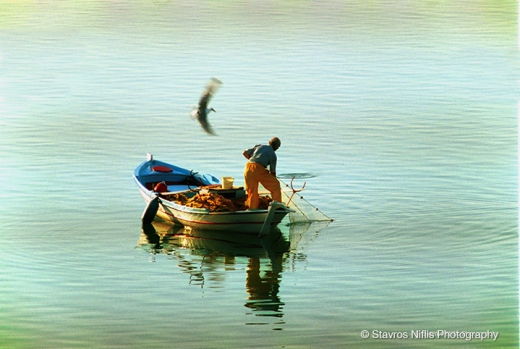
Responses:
[208,255]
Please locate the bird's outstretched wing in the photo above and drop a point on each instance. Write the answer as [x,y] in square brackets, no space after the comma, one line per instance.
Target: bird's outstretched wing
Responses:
[211,89]
[202,111]
[206,126]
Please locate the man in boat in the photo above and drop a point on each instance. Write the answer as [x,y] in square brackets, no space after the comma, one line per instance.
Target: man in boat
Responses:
[260,158]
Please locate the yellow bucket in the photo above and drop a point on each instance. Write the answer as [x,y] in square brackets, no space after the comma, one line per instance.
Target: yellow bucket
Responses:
[227,182]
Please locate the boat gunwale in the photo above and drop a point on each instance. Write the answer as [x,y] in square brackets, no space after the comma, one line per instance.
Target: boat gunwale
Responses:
[195,210]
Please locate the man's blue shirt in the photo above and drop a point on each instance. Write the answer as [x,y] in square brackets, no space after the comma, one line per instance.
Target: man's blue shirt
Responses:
[264,155]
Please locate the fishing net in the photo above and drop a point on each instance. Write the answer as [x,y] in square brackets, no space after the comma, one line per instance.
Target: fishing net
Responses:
[305,211]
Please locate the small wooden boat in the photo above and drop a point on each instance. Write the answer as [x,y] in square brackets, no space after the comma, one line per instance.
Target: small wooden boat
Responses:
[199,201]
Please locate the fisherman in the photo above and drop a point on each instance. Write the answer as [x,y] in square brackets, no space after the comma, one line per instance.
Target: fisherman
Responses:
[261,157]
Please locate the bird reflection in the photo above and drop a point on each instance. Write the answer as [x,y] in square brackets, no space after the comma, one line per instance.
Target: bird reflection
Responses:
[200,112]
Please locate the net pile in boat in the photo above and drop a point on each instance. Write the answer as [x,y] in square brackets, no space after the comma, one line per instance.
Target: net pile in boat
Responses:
[215,202]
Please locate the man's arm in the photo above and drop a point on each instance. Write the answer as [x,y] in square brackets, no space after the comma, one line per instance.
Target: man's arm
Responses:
[272,166]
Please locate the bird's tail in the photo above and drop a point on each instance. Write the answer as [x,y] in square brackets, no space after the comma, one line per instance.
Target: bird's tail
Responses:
[193,112]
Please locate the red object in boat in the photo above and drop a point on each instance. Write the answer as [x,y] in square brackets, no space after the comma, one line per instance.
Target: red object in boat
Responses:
[160,168]
[161,187]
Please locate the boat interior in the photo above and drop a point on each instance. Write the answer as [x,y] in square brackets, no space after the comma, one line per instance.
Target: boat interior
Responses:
[190,187]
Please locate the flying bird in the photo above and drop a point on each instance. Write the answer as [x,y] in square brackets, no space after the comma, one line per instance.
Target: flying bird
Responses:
[200,112]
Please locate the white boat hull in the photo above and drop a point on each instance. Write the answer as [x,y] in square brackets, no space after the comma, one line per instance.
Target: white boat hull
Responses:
[250,221]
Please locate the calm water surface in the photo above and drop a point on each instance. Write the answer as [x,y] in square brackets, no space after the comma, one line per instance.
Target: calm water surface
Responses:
[400,116]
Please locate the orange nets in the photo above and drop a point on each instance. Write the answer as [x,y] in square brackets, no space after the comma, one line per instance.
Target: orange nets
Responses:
[215,202]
